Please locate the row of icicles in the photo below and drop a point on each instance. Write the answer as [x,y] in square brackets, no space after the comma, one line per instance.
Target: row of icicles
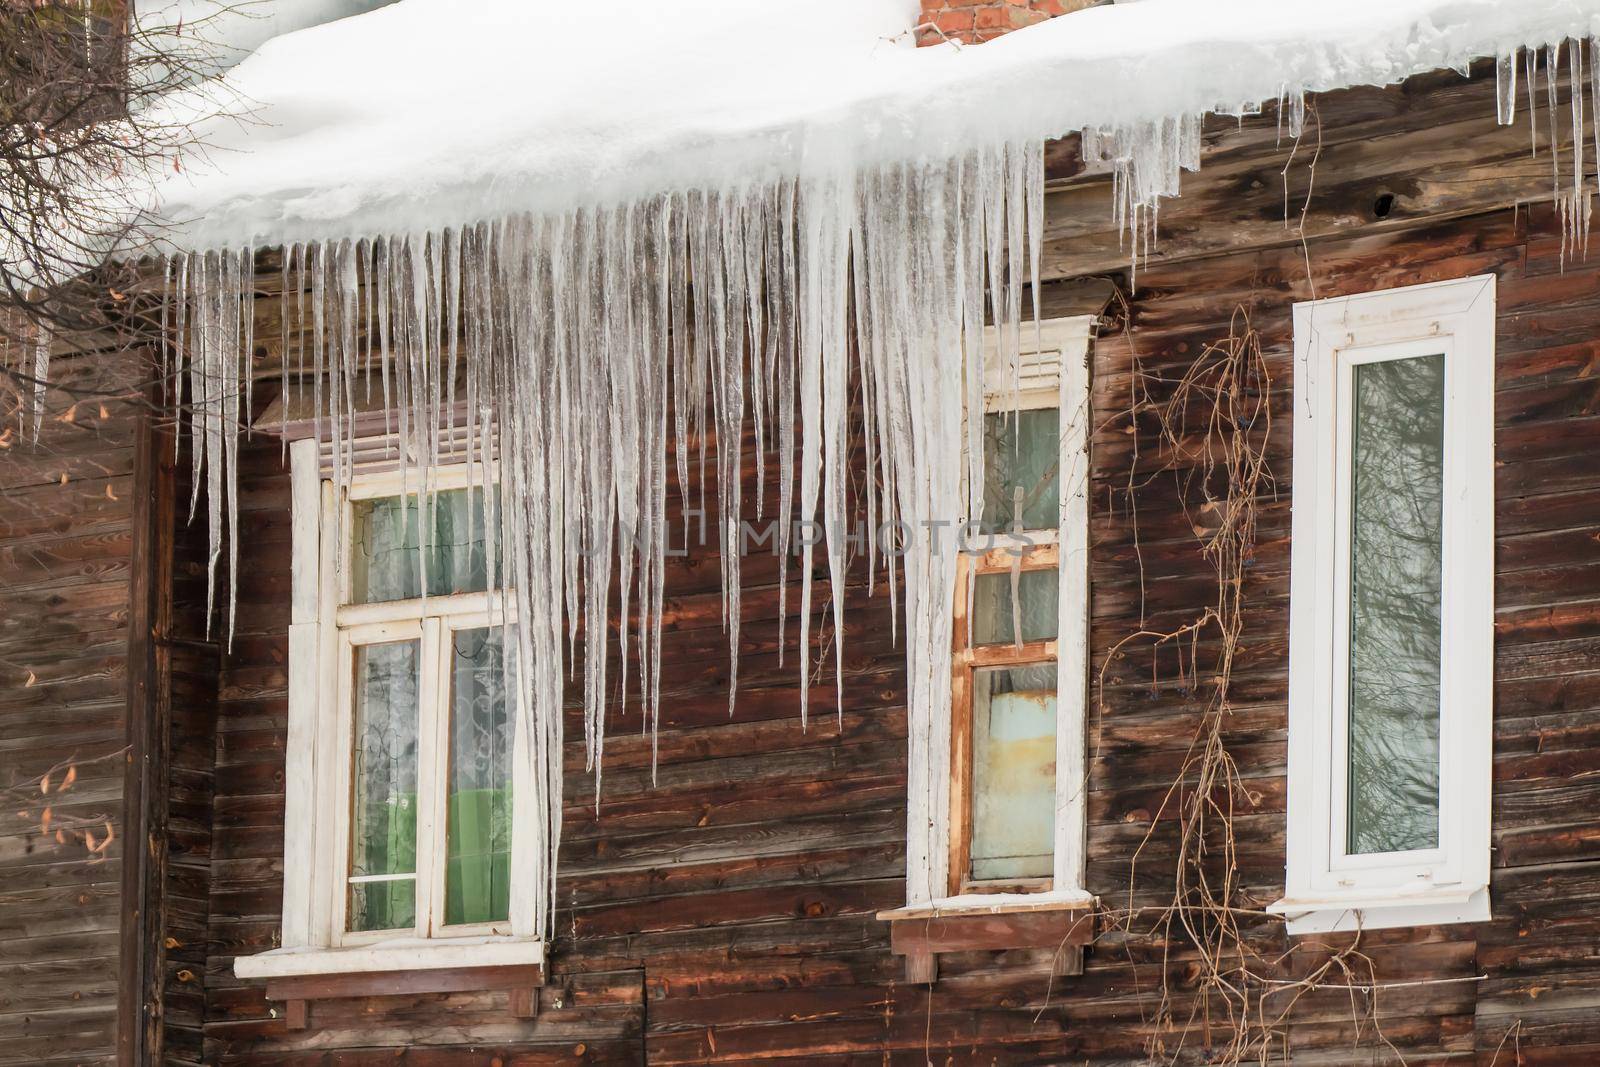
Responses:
[1573,202]
[595,357]
[588,361]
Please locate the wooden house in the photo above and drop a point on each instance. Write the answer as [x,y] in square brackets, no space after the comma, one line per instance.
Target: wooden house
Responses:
[1278,744]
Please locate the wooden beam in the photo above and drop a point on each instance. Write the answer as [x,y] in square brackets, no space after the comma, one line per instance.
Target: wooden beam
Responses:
[921,940]
[404,983]
[525,1002]
[1068,961]
[144,855]
[922,968]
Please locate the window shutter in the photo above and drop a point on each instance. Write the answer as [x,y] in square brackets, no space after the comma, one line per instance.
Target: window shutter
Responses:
[1042,352]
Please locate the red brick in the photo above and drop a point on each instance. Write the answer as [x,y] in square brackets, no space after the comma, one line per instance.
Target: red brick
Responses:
[982,20]
[994,18]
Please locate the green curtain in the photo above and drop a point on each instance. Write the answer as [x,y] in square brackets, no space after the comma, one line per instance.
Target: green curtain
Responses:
[478,865]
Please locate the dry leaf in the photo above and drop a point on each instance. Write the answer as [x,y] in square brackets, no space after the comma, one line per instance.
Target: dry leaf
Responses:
[72,776]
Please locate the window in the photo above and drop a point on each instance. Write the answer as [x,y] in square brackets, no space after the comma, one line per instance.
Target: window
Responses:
[422,697]
[1020,677]
[411,817]
[1004,694]
[1001,864]
[1015,816]
[1392,599]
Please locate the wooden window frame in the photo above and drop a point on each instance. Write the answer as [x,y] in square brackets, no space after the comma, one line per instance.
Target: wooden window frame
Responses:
[1327,889]
[966,660]
[1039,552]
[1055,374]
[323,633]
[1057,914]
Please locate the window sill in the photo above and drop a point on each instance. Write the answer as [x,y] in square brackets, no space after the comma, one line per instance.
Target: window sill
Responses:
[992,922]
[1351,912]
[400,967]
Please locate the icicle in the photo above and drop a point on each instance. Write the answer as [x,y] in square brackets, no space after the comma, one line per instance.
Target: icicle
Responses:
[1552,69]
[41,376]
[1530,57]
[1147,161]
[1505,74]
[180,343]
[1297,113]
[1594,99]
[1580,198]
[1565,202]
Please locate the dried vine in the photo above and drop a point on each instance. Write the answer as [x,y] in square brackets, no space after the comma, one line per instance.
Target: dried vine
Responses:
[1214,428]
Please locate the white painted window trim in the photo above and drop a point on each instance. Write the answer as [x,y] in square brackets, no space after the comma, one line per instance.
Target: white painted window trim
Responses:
[397,954]
[1325,889]
[1055,373]
[323,630]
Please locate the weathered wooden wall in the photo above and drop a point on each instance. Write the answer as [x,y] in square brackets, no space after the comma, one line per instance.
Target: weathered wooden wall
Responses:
[106,676]
[66,518]
[176,735]
[724,913]
[1547,623]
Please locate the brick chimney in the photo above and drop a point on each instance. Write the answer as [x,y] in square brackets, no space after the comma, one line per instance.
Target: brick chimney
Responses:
[971,21]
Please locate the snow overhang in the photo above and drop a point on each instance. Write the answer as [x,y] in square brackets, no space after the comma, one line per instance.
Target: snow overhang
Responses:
[430,113]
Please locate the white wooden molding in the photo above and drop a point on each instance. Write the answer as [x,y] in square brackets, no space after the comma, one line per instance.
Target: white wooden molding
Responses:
[323,633]
[395,954]
[1054,372]
[1326,889]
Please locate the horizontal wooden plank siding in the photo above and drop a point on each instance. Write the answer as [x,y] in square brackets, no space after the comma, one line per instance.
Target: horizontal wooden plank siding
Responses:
[66,518]
[720,907]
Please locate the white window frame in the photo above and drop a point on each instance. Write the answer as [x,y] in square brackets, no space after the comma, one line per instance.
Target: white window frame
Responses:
[324,631]
[1326,889]
[1055,374]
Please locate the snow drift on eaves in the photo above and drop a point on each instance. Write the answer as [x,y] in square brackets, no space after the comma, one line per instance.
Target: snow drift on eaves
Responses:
[431,113]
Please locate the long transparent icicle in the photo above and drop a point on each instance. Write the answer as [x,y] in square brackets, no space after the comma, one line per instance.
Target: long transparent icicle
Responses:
[563,356]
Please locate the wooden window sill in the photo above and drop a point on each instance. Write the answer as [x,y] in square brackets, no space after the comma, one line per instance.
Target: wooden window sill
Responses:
[992,922]
[400,967]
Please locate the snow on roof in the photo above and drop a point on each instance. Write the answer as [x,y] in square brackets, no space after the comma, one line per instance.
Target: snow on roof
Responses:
[432,113]
[232,29]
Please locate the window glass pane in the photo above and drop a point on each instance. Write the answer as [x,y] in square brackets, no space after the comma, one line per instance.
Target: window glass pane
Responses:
[383,824]
[995,613]
[385,563]
[1022,450]
[1013,772]
[1396,500]
[478,831]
